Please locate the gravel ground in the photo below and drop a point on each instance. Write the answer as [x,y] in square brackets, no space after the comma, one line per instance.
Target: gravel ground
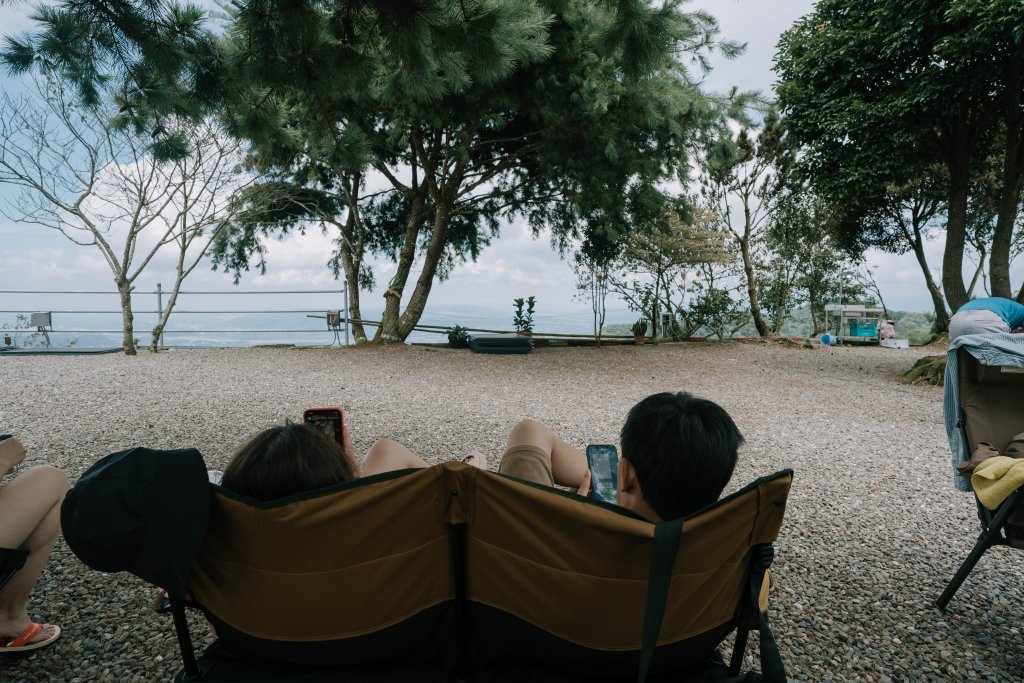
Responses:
[873,531]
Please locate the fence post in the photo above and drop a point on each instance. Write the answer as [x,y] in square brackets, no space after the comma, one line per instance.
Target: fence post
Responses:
[159,311]
[344,293]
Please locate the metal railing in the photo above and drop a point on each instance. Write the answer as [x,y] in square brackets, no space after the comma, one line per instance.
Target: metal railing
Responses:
[336,318]
[334,326]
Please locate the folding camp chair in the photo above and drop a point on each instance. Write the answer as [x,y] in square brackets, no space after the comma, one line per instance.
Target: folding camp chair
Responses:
[453,573]
[989,408]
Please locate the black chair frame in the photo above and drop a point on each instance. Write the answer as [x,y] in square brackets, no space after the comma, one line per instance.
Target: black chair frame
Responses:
[992,525]
[749,617]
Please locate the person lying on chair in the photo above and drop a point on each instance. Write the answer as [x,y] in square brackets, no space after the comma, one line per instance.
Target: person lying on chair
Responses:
[29,522]
[678,454]
[296,457]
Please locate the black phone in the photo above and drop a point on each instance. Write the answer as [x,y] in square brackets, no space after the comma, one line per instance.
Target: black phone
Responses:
[4,437]
[327,420]
[603,463]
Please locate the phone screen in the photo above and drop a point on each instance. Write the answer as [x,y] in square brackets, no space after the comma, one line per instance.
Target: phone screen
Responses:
[327,420]
[603,462]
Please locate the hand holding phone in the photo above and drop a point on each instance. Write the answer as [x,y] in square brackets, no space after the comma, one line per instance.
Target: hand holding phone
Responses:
[328,420]
[603,463]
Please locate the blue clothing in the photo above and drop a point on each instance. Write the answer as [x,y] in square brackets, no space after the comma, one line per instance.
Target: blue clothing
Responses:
[1007,309]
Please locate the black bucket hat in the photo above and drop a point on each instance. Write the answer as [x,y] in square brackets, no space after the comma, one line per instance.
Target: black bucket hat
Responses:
[142,511]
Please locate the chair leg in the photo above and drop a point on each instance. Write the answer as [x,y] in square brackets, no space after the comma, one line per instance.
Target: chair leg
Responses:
[991,535]
[983,544]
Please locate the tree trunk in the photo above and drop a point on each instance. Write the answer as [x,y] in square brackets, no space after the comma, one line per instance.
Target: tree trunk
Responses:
[354,312]
[431,257]
[1009,200]
[748,270]
[977,271]
[941,324]
[390,331]
[165,315]
[956,222]
[158,329]
[127,319]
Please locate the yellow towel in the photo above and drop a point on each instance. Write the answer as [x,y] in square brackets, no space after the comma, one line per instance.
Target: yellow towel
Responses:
[996,478]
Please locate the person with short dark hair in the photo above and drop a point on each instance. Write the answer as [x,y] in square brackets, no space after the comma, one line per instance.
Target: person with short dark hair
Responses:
[678,454]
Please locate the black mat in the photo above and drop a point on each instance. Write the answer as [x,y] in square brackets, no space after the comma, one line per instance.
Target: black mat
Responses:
[500,343]
[57,351]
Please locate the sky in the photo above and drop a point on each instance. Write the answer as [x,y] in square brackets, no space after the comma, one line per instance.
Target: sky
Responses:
[515,265]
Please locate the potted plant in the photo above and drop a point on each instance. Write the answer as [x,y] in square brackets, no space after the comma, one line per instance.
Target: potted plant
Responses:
[458,337]
[523,320]
[639,331]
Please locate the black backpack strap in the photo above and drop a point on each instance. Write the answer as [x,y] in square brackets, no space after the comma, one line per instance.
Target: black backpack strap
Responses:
[663,558]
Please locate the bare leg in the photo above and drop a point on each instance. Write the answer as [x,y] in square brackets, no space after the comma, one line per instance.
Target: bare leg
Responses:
[568,464]
[30,510]
[386,455]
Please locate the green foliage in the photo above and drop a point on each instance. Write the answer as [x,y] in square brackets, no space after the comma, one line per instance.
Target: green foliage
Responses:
[523,318]
[880,90]
[744,179]
[715,309]
[458,337]
[639,328]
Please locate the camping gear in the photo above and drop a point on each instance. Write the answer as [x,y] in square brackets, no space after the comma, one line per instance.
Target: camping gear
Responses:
[452,572]
[983,395]
[500,343]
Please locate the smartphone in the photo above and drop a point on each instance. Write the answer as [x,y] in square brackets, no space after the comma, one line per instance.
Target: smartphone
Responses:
[327,420]
[4,437]
[603,463]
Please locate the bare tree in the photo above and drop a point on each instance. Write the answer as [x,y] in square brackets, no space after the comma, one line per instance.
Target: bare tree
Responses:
[654,268]
[741,182]
[592,280]
[99,187]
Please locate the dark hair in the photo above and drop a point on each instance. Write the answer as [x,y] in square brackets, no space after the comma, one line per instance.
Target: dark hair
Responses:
[683,449]
[284,460]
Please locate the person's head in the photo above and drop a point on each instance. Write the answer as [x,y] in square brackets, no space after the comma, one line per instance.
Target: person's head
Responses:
[678,453]
[280,461]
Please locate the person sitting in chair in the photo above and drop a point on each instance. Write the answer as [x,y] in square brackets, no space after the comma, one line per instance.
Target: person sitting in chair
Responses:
[29,521]
[678,454]
[296,457]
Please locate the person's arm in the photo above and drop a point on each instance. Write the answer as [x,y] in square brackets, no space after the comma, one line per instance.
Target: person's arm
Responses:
[12,452]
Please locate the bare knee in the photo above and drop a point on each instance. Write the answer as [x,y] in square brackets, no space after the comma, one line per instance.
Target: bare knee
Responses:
[529,432]
[45,480]
[385,446]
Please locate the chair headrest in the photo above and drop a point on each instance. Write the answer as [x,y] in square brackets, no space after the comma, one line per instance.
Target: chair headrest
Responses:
[141,510]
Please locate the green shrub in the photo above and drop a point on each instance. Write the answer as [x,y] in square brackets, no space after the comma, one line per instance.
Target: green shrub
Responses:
[458,337]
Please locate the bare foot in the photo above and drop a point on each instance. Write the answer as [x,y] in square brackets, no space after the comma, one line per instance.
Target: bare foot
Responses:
[46,632]
[476,459]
